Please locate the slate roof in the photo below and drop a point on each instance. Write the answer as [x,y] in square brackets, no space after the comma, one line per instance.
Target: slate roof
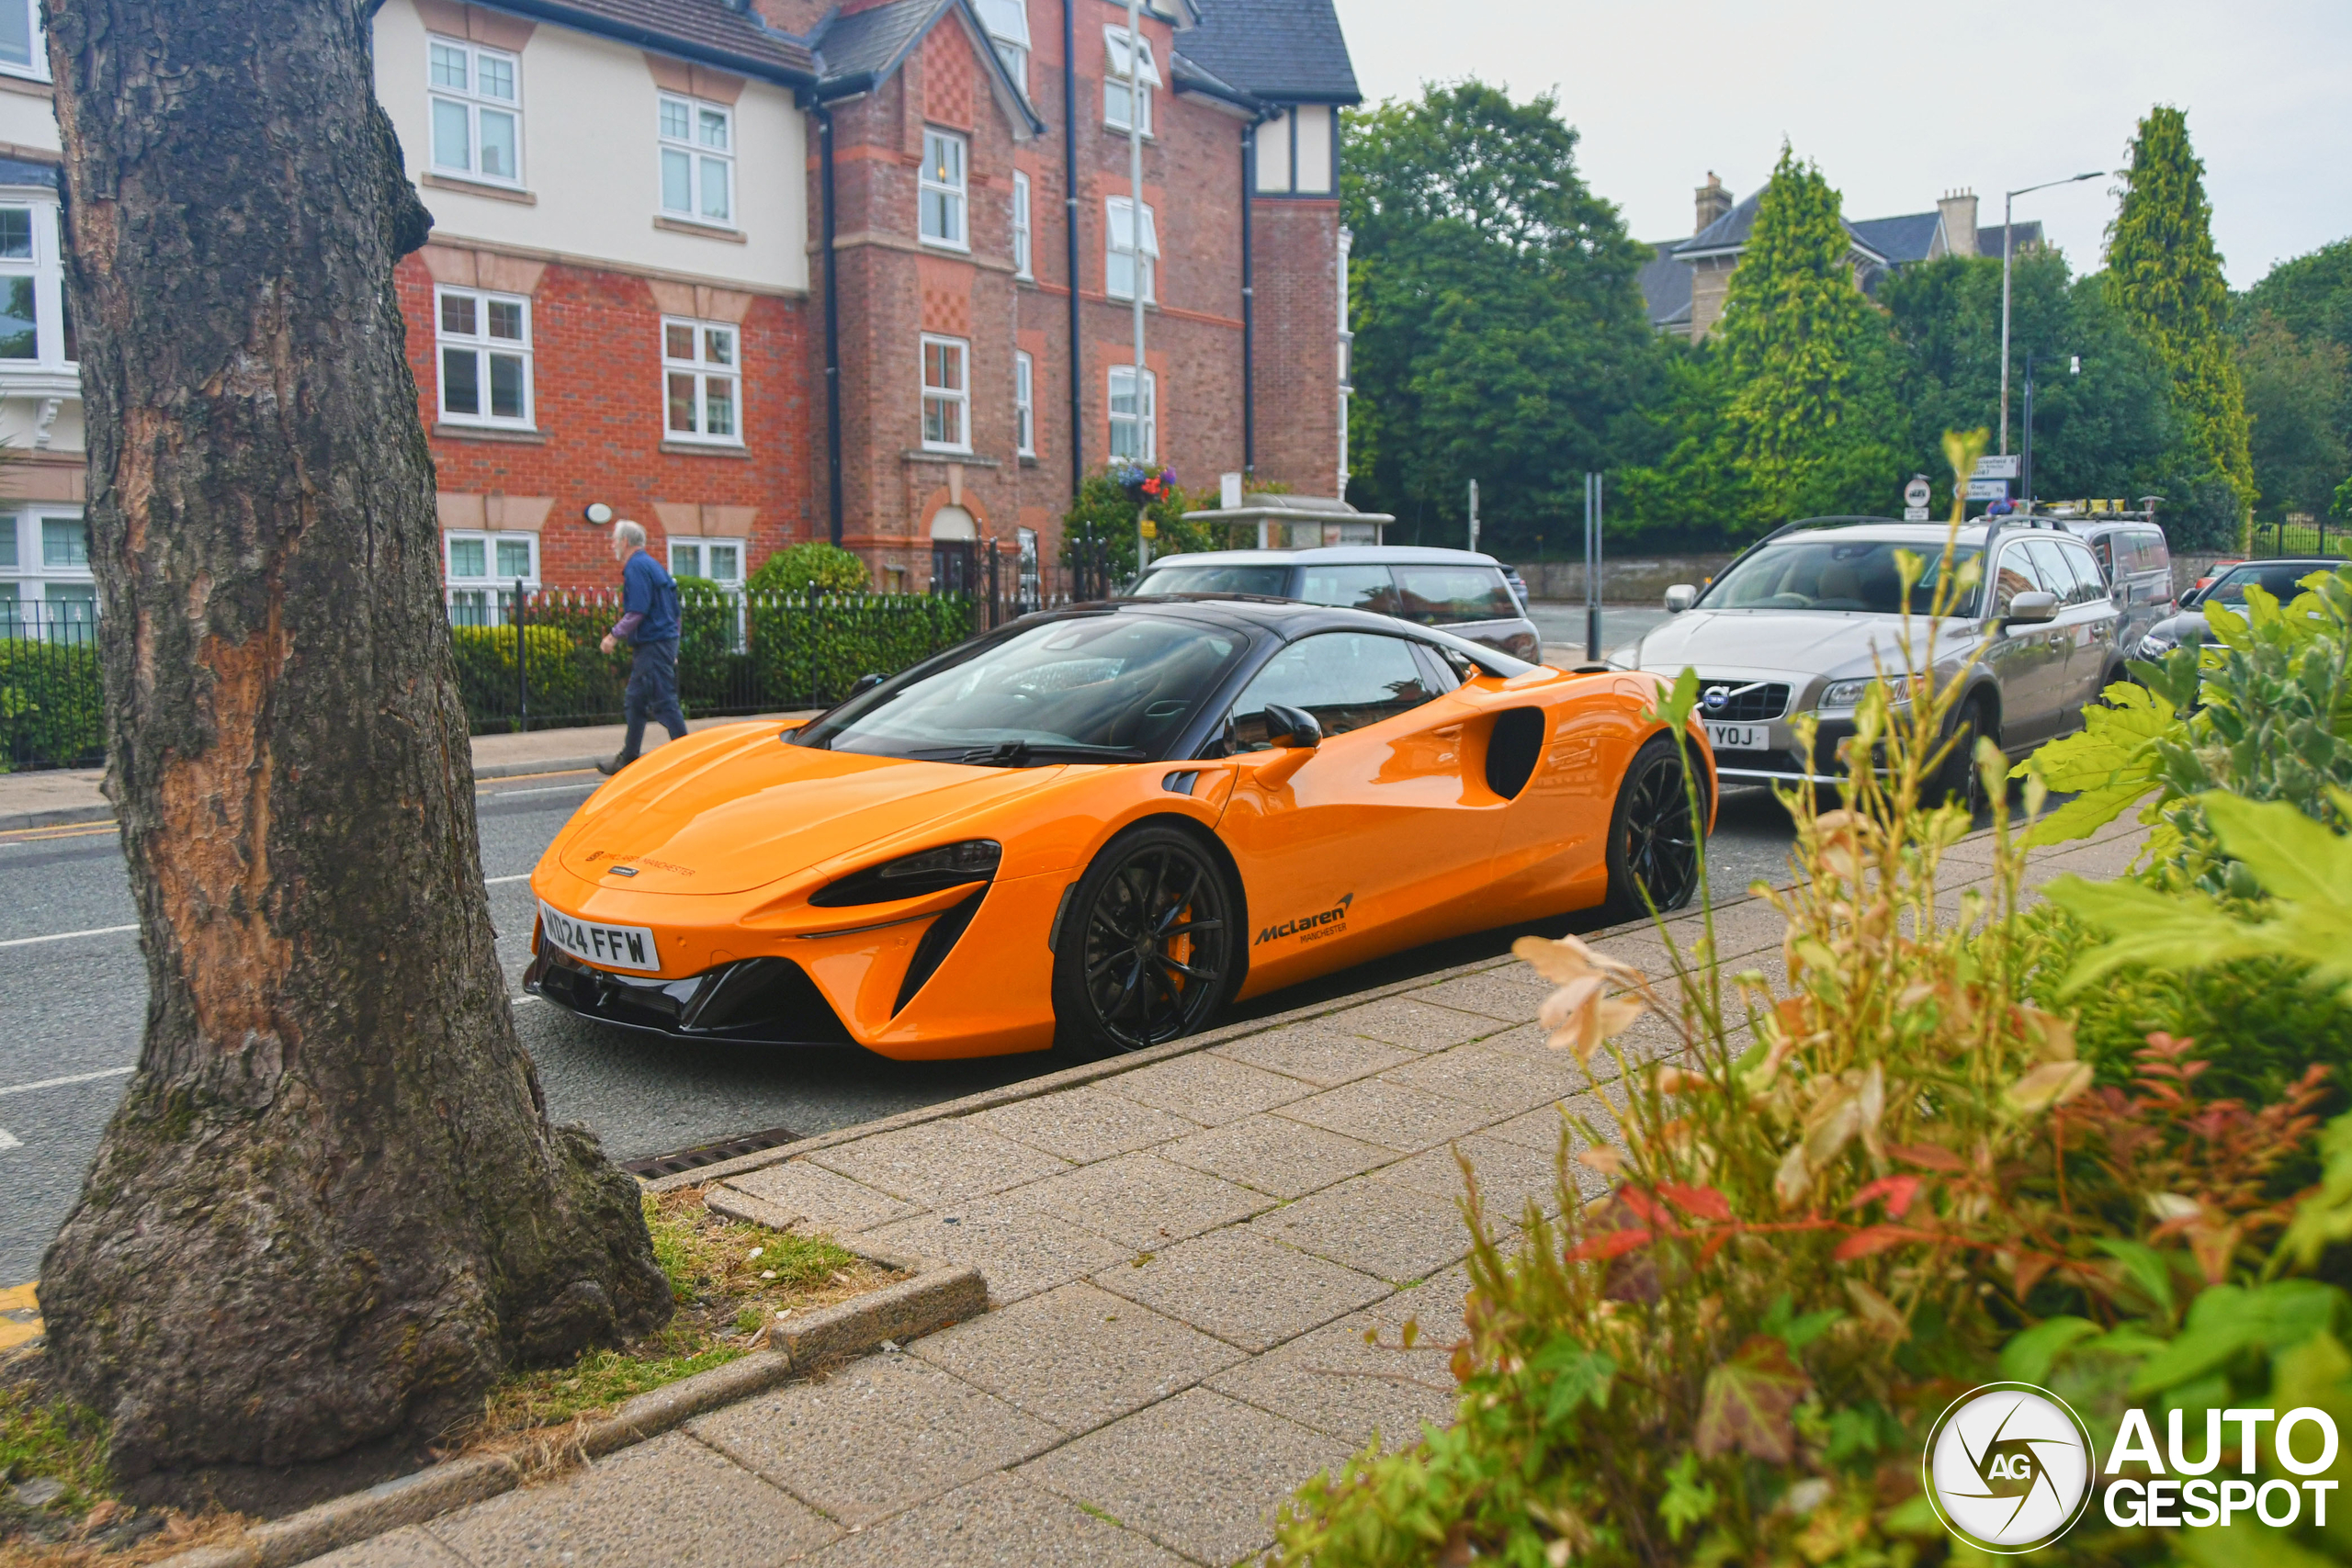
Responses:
[2021,237]
[703,30]
[855,51]
[1901,240]
[1666,286]
[1730,232]
[1277,50]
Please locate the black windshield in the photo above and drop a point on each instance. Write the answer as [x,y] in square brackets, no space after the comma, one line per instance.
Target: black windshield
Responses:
[1098,688]
[1834,574]
[2281,579]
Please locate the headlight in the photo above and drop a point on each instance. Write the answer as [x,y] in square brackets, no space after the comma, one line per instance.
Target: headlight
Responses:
[1848,694]
[914,875]
[2157,643]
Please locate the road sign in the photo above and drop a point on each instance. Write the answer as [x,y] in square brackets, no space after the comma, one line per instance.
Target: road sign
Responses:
[1988,490]
[1915,514]
[1996,465]
[1914,494]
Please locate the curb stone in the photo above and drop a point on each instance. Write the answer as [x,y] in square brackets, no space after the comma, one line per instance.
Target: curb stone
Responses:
[935,1295]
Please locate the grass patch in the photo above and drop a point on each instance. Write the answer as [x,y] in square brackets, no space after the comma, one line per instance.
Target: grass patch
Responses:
[46,1439]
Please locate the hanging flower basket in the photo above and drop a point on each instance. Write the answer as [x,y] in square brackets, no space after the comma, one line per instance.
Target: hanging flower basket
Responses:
[1145,485]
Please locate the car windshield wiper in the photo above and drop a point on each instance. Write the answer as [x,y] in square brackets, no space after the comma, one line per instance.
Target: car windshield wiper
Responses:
[1021,753]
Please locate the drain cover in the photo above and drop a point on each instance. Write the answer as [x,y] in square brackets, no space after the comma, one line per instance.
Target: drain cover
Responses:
[709,1154]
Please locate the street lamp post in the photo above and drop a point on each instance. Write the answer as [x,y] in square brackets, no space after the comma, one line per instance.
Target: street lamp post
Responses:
[1144,454]
[2009,199]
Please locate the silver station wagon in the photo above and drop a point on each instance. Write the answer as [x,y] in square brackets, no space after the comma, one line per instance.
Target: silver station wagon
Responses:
[1802,621]
[1462,590]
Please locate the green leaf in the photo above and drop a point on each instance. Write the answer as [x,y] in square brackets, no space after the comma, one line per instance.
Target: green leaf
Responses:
[1577,1377]
[1688,1500]
[2291,855]
[2028,1357]
[2145,1266]
[2225,1320]
[2147,927]
[1746,1403]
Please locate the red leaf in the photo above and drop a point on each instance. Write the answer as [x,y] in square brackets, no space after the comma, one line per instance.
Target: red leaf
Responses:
[1613,1244]
[1898,1192]
[1704,1201]
[1878,1238]
[1639,1201]
[1747,1402]
[1927,1156]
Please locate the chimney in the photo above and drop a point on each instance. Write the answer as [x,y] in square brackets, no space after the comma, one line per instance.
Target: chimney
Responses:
[1958,208]
[1713,201]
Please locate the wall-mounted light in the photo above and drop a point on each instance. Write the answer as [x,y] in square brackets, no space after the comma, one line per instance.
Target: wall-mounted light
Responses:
[597,513]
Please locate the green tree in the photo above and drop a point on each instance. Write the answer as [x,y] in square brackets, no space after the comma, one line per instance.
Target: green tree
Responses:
[1103,512]
[2295,393]
[1811,420]
[2165,276]
[1499,334]
[829,568]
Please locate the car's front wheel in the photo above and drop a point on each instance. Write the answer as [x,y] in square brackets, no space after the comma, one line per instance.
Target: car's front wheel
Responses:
[1148,944]
[1652,837]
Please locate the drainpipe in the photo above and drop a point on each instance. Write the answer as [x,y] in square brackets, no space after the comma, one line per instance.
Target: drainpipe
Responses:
[1249,305]
[1069,233]
[833,325]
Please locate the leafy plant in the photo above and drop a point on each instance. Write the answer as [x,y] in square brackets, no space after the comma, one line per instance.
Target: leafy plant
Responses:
[52,709]
[1103,516]
[828,567]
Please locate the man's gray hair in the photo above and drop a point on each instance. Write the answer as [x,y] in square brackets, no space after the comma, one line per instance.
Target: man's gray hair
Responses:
[629,533]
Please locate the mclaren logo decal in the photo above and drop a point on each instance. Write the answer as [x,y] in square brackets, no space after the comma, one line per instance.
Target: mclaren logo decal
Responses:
[1310,926]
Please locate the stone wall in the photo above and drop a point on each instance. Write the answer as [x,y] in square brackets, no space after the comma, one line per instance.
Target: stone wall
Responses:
[1634,580]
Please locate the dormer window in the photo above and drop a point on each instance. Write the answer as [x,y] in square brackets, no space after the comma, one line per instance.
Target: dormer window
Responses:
[1118,98]
[1008,25]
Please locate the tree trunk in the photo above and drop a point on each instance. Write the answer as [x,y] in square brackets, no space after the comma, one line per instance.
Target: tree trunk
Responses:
[330,1210]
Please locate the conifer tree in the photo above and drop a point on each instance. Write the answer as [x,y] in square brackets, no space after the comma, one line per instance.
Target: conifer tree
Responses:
[2165,276]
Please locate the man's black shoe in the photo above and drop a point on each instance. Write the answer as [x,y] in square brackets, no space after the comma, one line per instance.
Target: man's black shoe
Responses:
[616,765]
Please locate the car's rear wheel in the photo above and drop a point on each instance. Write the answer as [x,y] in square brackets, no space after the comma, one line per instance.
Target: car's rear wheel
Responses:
[1148,946]
[1652,837]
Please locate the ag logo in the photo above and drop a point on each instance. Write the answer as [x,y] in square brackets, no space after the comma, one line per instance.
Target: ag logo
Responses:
[2009,1467]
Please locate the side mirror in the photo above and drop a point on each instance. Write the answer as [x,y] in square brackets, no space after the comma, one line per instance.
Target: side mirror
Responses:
[1289,728]
[1681,597]
[863,684]
[2033,609]
[2189,600]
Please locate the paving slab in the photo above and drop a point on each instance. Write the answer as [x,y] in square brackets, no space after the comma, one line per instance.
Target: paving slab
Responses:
[1436,1304]
[1142,1202]
[1084,1123]
[882,1435]
[937,1163]
[824,1200]
[1389,1114]
[998,1521]
[1200,1473]
[1018,1249]
[1273,1154]
[1375,1226]
[1207,1089]
[1244,1286]
[668,1501]
[1078,1355]
[409,1548]
[1509,1173]
[1318,1056]
[1332,1381]
[1502,1082]
[1411,1022]
[1540,1129]
[1511,995]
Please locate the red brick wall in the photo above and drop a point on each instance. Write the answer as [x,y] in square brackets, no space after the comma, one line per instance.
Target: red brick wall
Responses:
[596,374]
[1297,245]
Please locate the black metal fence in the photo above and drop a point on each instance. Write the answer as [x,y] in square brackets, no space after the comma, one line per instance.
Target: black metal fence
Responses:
[52,706]
[2272,541]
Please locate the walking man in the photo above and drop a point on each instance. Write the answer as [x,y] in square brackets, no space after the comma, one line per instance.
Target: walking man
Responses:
[649,623]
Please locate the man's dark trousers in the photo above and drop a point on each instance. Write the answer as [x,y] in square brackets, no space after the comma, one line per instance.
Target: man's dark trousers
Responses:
[652,693]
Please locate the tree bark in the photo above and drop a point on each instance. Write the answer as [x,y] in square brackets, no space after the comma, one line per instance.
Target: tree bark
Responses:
[330,1210]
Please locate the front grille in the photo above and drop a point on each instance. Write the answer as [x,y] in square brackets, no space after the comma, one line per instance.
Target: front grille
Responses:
[1769,701]
[762,1001]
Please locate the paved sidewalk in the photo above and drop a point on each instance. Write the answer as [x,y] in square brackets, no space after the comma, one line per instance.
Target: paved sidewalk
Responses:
[1184,1255]
[55,798]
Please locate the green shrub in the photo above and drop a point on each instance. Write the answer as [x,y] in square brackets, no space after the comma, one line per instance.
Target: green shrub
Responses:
[804,651]
[52,704]
[1104,511]
[829,568]
[557,674]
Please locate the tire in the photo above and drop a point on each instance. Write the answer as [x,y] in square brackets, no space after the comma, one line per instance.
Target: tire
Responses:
[1149,945]
[1653,844]
[1959,782]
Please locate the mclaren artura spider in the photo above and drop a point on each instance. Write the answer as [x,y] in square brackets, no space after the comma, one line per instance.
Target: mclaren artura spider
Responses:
[1100,824]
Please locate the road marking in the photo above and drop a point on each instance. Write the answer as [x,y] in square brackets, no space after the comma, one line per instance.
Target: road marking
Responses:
[494,881]
[51,836]
[70,1078]
[67,936]
[9,1140]
[543,789]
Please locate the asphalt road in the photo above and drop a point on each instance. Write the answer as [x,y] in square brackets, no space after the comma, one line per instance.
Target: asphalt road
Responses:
[73,984]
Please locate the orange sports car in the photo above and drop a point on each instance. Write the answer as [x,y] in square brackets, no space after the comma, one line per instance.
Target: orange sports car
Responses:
[1100,824]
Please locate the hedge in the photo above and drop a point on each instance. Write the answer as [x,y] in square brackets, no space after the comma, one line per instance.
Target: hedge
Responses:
[52,707]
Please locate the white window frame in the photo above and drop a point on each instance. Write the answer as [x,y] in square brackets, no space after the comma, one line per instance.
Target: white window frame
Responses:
[473,101]
[1007,22]
[1114,80]
[700,548]
[946,192]
[483,347]
[30,576]
[35,66]
[45,267]
[1115,377]
[1024,404]
[957,398]
[481,594]
[703,159]
[1023,232]
[706,372]
[1118,216]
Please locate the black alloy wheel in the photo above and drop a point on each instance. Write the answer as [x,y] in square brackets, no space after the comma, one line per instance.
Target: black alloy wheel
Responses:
[1147,948]
[1652,838]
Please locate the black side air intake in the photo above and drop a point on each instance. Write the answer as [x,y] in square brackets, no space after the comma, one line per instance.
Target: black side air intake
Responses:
[932,951]
[1513,749]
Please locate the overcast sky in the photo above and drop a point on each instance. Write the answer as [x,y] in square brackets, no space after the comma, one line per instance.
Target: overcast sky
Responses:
[1899,103]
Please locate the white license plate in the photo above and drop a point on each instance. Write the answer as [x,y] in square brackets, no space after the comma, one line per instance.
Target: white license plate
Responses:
[1736,736]
[618,947]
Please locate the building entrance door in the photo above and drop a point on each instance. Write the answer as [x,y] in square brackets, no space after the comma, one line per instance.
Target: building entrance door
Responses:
[955,552]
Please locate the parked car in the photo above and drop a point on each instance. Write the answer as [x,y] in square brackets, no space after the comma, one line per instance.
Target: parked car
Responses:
[2281,578]
[1803,621]
[1462,590]
[1517,586]
[2132,551]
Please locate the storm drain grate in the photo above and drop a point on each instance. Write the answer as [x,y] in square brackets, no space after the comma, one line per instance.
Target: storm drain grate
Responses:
[709,1154]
